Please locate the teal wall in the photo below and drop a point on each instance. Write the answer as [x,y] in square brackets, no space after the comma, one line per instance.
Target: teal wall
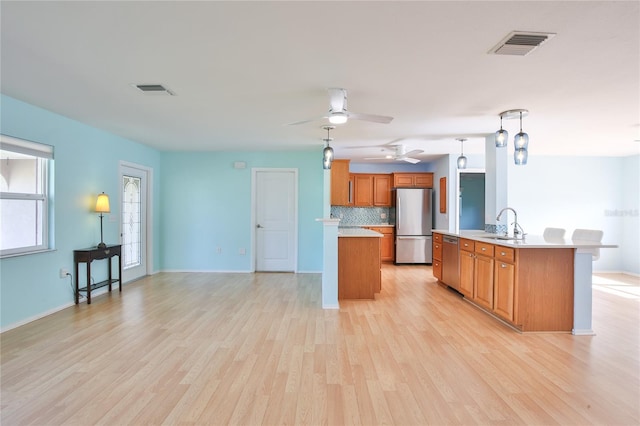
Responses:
[86,163]
[206,204]
[199,202]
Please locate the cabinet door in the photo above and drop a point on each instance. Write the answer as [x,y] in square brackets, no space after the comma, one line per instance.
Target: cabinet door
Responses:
[466,273]
[340,183]
[483,282]
[363,191]
[423,180]
[504,286]
[382,190]
[437,250]
[402,180]
[437,269]
[387,247]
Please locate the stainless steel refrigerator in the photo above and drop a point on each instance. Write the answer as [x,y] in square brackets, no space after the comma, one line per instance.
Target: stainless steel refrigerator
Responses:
[414,221]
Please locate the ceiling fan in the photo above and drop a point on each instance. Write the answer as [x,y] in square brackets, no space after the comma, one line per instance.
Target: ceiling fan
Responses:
[339,114]
[400,154]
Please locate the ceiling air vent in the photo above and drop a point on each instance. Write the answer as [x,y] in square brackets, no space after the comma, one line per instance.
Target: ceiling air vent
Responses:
[154,89]
[520,43]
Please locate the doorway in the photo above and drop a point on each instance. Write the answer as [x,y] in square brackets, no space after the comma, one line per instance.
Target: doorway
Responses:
[471,200]
[135,234]
[275,219]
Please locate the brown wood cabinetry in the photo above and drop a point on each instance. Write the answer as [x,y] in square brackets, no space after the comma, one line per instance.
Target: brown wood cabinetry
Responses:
[387,243]
[529,288]
[437,256]
[340,188]
[382,190]
[371,190]
[413,180]
[359,275]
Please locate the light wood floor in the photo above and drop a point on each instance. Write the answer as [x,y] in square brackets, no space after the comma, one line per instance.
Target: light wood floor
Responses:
[201,348]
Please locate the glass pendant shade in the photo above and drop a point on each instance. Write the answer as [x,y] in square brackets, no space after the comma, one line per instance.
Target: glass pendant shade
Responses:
[521,141]
[327,157]
[462,162]
[502,137]
[520,156]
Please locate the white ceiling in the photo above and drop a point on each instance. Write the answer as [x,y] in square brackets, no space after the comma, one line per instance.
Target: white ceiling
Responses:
[242,70]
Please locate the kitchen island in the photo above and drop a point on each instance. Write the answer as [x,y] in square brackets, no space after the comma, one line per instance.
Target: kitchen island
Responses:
[534,284]
[359,274]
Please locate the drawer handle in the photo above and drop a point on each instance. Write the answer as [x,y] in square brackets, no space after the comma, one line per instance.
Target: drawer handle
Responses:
[107,251]
[483,249]
[437,246]
[503,253]
[466,245]
[503,265]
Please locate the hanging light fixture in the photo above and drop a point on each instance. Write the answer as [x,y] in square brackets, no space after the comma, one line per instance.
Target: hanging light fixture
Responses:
[327,152]
[502,136]
[462,160]
[520,141]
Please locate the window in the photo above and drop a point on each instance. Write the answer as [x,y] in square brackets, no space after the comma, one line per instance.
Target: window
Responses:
[24,196]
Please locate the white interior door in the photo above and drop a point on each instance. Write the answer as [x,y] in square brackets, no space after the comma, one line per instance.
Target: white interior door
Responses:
[133,223]
[275,219]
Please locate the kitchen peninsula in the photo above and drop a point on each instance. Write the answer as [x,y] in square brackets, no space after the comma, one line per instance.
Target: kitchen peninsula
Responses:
[359,275]
[533,284]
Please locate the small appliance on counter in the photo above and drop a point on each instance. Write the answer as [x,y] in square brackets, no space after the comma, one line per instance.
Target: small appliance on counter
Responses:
[414,221]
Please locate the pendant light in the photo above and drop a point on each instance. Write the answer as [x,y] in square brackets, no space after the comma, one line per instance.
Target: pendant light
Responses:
[520,141]
[502,136]
[462,160]
[327,152]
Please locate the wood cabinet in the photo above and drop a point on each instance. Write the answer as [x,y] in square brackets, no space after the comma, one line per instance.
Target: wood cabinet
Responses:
[340,188]
[467,267]
[437,256]
[387,242]
[359,268]
[413,180]
[371,190]
[382,190]
[530,288]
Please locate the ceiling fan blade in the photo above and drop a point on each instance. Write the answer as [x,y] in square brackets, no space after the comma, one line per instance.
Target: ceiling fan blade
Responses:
[305,121]
[371,117]
[413,152]
[410,160]
[337,99]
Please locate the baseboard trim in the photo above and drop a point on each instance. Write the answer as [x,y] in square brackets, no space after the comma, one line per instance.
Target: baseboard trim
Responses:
[37,317]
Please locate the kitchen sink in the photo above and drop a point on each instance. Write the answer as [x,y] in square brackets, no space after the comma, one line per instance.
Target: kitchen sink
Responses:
[496,237]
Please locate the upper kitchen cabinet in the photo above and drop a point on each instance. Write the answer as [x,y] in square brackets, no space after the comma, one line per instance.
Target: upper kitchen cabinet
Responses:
[371,190]
[413,180]
[340,186]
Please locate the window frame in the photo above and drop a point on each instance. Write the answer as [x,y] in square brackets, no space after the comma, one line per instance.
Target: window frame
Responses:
[44,154]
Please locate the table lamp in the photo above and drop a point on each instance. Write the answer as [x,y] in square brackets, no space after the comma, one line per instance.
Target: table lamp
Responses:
[102,206]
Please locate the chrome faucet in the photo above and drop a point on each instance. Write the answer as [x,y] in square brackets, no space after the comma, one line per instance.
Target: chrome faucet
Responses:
[517,229]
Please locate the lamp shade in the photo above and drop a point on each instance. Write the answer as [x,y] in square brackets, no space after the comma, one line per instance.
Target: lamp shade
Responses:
[502,137]
[462,162]
[520,157]
[327,153]
[521,141]
[102,205]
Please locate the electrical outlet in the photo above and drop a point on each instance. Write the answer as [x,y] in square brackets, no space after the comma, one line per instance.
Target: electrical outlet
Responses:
[64,272]
[383,215]
[242,251]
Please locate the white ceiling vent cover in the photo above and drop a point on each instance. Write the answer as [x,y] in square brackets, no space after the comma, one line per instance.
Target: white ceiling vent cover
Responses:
[520,43]
[153,89]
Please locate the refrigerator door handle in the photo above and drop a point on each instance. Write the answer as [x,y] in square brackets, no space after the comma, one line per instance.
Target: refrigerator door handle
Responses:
[398,215]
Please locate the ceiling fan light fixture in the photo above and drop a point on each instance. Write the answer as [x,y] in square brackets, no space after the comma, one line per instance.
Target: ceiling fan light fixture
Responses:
[338,118]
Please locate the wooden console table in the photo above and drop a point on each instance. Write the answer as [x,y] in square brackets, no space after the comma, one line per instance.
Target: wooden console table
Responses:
[87,256]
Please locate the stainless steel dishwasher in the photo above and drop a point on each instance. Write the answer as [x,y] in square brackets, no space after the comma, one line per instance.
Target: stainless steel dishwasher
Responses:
[450,262]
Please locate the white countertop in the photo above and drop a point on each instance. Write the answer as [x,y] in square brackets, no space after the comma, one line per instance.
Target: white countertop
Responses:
[358,232]
[380,225]
[529,241]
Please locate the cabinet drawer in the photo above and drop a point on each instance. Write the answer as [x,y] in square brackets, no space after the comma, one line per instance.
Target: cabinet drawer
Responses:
[437,238]
[484,249]
[437,250]
[468,245]
[437,269]
[504,254]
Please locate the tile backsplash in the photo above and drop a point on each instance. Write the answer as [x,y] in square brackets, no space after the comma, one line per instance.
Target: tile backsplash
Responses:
[362,215]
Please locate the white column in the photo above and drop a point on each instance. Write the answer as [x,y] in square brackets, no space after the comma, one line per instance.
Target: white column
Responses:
[330,263]
[582,293]
[496,163]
